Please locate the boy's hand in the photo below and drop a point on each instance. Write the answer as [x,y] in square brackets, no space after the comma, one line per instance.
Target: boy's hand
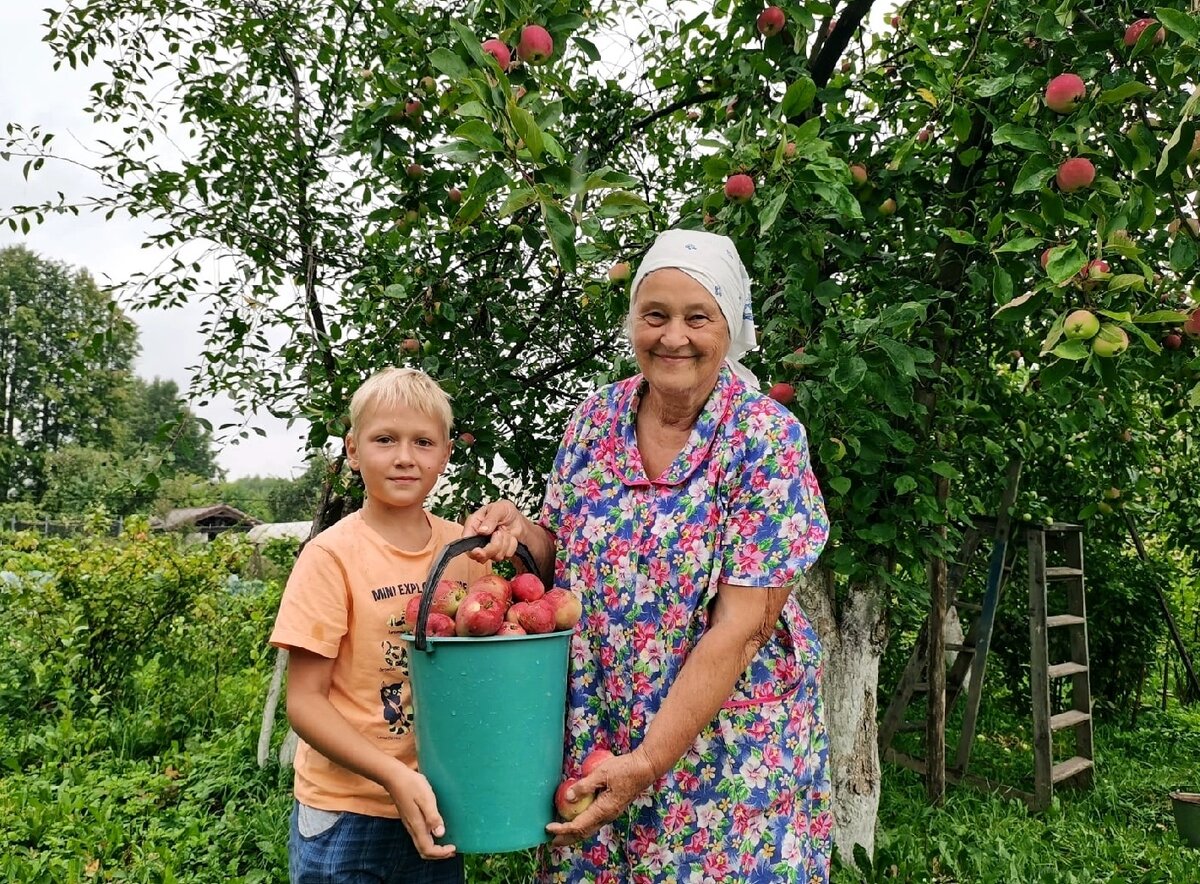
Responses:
[503,521]
[414,799]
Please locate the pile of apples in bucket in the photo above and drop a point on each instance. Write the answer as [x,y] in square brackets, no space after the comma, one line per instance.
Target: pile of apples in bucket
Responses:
[493,605]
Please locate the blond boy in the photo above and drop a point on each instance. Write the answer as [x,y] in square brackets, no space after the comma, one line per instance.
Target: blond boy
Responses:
[363,811]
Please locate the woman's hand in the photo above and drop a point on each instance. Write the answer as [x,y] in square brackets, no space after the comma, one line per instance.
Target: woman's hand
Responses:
[504,522]
[620,779]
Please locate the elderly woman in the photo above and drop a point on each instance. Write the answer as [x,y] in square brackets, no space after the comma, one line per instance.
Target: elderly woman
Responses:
[681,509]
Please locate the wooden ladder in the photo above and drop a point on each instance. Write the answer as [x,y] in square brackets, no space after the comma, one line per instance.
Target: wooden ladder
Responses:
[970,662]
[971,654]
[1062,541]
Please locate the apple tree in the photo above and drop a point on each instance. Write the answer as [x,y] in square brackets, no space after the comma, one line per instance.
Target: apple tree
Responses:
[926,221]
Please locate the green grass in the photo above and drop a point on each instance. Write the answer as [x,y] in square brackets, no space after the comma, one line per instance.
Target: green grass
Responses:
[1122,830]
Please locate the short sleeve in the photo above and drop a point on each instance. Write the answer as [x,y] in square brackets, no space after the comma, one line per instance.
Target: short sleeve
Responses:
[314,612]
[559,479]
[775,525]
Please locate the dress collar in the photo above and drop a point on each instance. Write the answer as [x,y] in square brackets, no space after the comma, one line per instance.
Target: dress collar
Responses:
[624,458]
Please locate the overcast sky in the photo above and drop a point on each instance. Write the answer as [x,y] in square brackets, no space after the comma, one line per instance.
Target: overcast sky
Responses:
[32,92]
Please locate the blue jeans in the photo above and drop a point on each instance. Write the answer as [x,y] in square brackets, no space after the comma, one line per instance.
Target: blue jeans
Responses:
[350,848]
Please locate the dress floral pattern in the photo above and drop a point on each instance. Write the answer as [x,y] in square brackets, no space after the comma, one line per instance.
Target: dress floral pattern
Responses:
[749,801]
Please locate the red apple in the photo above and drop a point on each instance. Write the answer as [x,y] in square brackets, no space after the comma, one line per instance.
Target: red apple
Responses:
[619,272]
[412,109]
[1092,273]
[513,614]
[528,587]
[771,21]
[594,759]
[439,625]
[510,629]
[1134,31]
[923,136]
[1064,93]
[1045,259]
[887,207]
[414,171]
[497,50]
[412,610]
[1075,174]
[783,393]
[1173,341]
[410,345]
[448,596]
[537,617]
[479,614]
[789,150]
[454,195]
[467,439]
[566,808]
[566,606]
[1191,327]
[496,586]
[739,188]
[859,173]
[896,21]
[536,45]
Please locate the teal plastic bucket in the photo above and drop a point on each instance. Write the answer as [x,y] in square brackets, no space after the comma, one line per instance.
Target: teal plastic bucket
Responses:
[489,717]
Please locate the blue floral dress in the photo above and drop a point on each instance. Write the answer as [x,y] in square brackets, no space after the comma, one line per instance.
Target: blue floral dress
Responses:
[749,801]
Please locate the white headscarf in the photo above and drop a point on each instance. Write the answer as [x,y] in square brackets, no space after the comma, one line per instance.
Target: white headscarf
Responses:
[712,260]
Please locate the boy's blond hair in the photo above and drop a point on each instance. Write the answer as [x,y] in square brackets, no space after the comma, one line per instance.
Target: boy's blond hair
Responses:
[394,388]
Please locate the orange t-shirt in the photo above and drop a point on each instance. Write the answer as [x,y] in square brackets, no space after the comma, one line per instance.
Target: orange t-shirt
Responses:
[345,599]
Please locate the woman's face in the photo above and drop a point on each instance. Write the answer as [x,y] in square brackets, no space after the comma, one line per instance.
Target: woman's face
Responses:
[680,337]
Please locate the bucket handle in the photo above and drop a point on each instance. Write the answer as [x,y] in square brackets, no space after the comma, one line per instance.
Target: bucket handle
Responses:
[450,551]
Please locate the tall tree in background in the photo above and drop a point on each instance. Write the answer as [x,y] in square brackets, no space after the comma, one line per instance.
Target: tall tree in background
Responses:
[66,350]
[387,191]
[157,419]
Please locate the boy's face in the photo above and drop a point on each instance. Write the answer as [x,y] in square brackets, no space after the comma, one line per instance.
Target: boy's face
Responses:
[400,453]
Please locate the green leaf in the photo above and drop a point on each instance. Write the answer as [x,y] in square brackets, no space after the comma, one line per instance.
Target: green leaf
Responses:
[562,233]
[900,355]
[1065,263]
[621,203]
[798,97]
[448,63]
[1021,137]
[961,237]
[1002,285]
[1194,397]
[517,200]
[944,469]
[1123,281]
[1074,350]
[1172,316]
[478,133]
[994,86]
[1034,174]
[840,484]
[1055,372]
[1124,92]
[1183,253]
[768,215]
[1019,244]
[1019,307]
[849,373]
[527,128]
[1116,315]
[1179,22]
[905,484]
